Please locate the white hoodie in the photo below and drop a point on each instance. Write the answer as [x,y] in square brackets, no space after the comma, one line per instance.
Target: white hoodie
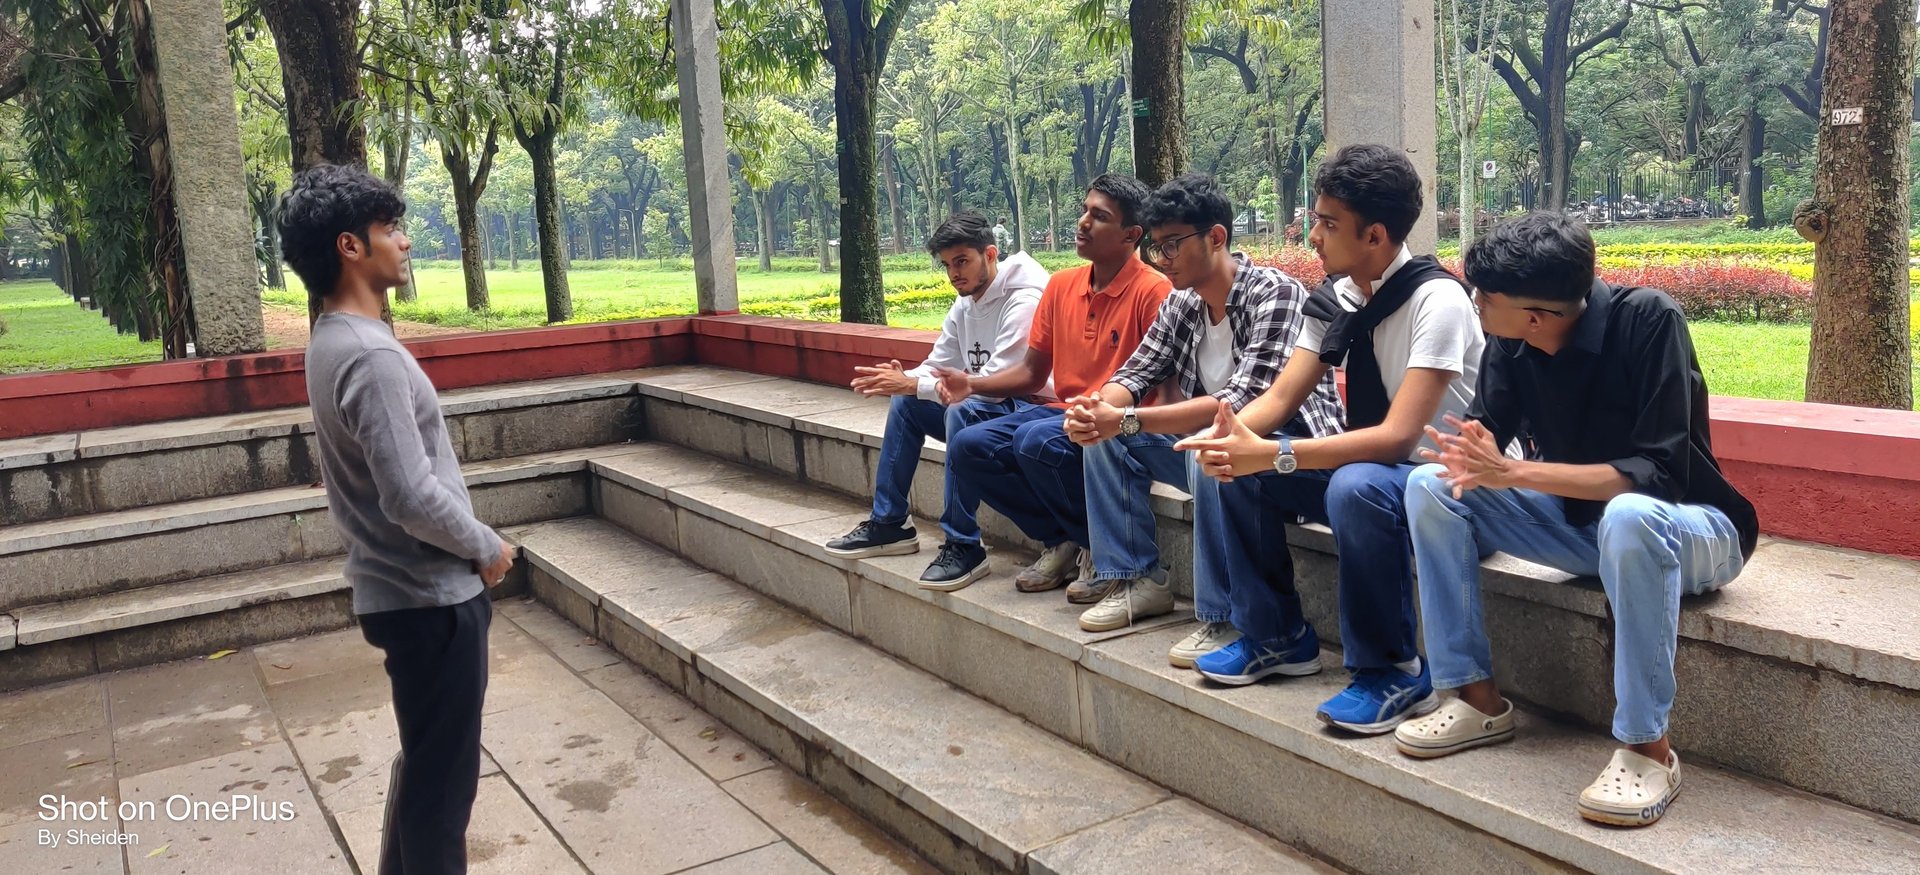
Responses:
[987,335]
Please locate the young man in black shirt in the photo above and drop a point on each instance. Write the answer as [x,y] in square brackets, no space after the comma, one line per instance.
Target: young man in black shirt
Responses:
[1600,386]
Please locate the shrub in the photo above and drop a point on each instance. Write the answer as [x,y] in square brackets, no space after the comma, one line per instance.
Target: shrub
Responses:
[1725,289]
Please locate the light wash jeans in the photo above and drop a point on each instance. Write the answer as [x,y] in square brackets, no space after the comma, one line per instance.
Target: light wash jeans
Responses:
[1646,552]
[1120,474]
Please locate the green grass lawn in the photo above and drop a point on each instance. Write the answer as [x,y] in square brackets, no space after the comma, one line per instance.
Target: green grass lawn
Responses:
[47,331]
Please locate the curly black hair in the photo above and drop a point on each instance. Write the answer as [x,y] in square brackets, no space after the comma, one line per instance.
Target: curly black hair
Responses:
[328,200]
[964,228]
[1378,183]
[1542,255]
[1191,199]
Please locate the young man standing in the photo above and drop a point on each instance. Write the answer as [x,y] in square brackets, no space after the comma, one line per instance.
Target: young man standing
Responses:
[984,333]
[1600,385]
[1404,331]
[1088,323]
[418,561]
[1224,336]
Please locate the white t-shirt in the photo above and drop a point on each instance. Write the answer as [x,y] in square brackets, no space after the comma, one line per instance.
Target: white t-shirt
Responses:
[1215,353]
[1437,329]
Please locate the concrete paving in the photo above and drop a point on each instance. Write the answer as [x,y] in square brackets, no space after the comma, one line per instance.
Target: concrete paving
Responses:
[592,767]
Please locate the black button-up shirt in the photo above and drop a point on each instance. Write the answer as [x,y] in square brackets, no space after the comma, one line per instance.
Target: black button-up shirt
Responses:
[1625,390]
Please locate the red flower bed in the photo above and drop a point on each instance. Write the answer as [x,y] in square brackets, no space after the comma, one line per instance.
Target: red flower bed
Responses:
[1723,289]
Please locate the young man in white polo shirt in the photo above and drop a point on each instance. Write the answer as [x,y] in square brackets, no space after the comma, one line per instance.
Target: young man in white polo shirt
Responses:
[1405,333]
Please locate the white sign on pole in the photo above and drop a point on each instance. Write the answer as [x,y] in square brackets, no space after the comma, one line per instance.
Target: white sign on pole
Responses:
[1848,115]
[1488,169]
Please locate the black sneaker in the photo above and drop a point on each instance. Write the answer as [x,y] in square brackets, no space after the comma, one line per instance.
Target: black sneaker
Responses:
[875,539]
[955,567]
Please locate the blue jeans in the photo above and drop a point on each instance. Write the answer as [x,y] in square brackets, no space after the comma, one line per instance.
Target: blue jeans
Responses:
[1242,567]
[1646,552]
[910,421]
[1120,475]
[1363,503]
[1023,466]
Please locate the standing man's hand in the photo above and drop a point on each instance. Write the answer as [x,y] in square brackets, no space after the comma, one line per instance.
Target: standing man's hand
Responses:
[955,385]
[1090,420]
[886,378]
[494,572]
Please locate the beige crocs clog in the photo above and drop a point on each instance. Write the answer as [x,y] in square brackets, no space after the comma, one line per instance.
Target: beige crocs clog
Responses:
[1453,727]
[1632,791]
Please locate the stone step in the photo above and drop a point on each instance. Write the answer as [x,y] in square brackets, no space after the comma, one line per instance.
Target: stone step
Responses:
[154,624]
[1807,632]
[99,554]
[964,783]
[1116,694]
[94,472]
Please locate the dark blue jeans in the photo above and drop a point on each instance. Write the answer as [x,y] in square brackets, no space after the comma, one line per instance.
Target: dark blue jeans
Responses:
[910,421]
[1365,505]
[1023,466]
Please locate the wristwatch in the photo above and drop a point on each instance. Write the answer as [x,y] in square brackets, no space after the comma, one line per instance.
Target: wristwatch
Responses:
[1284,462]
[1129,422]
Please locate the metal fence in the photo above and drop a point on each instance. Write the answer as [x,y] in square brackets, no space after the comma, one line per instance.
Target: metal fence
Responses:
[1615,196]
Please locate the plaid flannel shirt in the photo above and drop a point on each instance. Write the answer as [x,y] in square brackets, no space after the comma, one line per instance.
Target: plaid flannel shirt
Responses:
[1264,308]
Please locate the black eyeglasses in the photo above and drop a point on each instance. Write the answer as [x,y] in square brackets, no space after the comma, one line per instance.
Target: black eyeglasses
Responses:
[1163,251]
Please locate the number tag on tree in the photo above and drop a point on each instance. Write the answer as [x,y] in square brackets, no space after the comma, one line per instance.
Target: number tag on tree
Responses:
[1848,115]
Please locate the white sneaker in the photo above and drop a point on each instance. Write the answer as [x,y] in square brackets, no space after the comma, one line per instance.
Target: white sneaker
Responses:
[1135,599]
[1204,640]
[1632,791]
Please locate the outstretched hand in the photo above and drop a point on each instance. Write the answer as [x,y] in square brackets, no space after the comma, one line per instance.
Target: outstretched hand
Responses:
[1230,449]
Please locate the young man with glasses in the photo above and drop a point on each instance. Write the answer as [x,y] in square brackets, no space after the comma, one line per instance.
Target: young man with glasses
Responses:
[1221,339]
[1403,330]
[1023,465]
[1600,385]
[985,332]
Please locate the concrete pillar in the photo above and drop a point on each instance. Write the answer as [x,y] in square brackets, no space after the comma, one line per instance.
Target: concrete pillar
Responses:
[1377,57]
[209,173]
[703,137]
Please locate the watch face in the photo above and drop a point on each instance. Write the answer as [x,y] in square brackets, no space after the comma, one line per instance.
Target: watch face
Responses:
[1285,463]
[1130,426]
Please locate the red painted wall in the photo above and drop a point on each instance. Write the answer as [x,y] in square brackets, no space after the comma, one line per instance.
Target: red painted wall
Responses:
[1834,475]
[34,404]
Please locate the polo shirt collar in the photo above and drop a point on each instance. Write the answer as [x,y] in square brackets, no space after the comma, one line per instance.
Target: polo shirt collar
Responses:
[1349,291]
[1122,280]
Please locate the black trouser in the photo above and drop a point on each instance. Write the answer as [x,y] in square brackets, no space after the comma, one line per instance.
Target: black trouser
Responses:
[437,661]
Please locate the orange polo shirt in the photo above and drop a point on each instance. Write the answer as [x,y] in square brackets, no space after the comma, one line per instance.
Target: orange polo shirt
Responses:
[1089,334]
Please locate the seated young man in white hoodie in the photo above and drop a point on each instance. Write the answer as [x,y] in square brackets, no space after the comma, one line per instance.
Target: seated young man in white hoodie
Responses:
[985,331]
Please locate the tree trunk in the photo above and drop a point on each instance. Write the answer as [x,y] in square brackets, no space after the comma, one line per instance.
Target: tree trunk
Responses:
[1053,213]
[1861,352]
[857,45]
[763,229]
[1469,185]
[899,216]
[472,260]
[1159,113]
[546,208]
[512,220]
[1753,174]
[1016,186]
[152,157]
[818,212]
[320,72]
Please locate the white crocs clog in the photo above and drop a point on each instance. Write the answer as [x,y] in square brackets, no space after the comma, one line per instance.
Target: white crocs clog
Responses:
[1632,791]
[1453,727]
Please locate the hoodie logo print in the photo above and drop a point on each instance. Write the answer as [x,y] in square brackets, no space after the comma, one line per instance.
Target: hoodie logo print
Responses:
[977,358]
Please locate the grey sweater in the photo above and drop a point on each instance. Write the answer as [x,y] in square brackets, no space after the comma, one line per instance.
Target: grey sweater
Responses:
[393,484]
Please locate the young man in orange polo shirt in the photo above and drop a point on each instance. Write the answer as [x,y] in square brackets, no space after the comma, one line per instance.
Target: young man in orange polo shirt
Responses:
[1023,465]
